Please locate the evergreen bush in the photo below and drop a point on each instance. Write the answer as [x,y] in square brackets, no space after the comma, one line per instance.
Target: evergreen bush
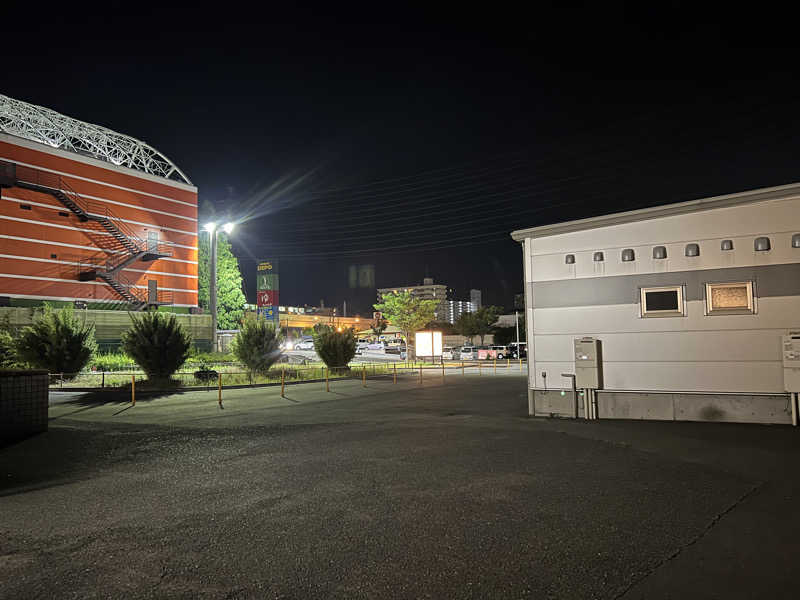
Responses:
[58,341]
[335,348]
[158,343]
[257,345]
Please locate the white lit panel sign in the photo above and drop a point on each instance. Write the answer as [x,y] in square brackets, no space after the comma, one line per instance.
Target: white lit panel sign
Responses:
[428,343]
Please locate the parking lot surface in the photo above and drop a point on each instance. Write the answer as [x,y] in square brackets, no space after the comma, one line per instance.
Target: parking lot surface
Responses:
[444,490]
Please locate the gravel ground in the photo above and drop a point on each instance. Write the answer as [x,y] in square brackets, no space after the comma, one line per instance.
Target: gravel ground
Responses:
[392,491]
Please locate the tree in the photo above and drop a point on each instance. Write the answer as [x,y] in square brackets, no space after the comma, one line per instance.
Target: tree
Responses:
[408,313]
[466,325]
[158,343]
[230,297]
[485,318]
[379,326]
[58,341]
[257,345]
[335,348]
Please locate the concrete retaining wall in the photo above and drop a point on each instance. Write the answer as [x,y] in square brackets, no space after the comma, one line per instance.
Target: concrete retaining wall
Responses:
[23,404]
[677,406]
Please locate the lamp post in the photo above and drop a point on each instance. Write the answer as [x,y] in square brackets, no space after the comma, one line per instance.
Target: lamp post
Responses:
[212,230]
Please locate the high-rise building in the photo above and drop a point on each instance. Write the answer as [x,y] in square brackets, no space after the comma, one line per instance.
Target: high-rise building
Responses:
[455,308]
[475,298]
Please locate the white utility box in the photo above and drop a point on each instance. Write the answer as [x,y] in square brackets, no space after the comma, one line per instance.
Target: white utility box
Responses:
[791,362]
[587,363]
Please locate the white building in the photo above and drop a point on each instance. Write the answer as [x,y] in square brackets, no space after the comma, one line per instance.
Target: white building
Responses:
[455,308]
[689,303]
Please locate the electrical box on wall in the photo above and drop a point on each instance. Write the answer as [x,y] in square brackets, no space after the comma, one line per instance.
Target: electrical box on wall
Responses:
[791,362]
[588,362]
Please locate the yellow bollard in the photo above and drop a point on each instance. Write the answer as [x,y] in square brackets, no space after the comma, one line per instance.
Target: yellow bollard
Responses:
[462,368]
[133,390]
[479,367]
[283,382]
[495,366]
[219,390]
[363,376]
[394,379]
[520,364]
[508,362]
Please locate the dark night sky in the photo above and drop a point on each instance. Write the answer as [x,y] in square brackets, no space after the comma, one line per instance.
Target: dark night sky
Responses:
[416,142]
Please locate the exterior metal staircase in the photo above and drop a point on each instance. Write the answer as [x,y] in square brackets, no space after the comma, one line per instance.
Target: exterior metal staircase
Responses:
[103,227]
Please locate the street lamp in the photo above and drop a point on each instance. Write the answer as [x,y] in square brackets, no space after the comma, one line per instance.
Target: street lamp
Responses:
[212,230]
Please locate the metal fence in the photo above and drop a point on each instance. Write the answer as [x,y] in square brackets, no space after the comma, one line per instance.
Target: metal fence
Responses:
[234,375]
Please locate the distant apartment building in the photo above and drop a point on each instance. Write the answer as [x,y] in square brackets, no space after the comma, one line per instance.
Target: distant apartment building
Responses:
[427,291]
[475,298]
[455,308]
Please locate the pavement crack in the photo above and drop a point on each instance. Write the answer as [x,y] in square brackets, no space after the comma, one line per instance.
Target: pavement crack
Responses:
[703,533]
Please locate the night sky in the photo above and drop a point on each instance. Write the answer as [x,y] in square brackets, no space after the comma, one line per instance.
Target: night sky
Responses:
[416,142]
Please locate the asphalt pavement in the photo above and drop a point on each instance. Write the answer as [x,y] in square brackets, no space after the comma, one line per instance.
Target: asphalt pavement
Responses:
[439,490]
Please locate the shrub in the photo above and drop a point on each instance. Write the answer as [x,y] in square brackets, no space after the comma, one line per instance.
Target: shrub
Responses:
[257,345]
[112,361]
[158,343]
[58,341]
[7,357]
[335,348]
[206,374]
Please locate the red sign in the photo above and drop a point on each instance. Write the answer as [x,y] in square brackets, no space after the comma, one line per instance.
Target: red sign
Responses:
[267,298]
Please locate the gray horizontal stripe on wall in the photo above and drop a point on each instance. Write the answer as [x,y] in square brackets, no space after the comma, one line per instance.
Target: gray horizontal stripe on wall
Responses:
[770,280]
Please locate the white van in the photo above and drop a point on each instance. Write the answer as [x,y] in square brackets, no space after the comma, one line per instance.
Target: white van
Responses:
[468,353]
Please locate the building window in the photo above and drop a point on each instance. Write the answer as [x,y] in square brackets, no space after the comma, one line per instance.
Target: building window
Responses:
[25,206]
[730,298]
[662,301]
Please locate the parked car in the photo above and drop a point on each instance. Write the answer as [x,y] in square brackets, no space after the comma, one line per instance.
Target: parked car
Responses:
[499,351]
[449,353]
[304,345]
[361,346]
[377,345]
[468,353]
[518,352]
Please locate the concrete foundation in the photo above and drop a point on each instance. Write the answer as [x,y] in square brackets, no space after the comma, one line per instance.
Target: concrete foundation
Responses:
[671,406]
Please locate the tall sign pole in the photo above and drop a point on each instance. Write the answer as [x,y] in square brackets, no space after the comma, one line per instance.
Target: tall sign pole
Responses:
[268,290]
[212,289]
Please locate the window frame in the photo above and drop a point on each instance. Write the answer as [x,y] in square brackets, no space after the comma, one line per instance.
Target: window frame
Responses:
[749,284]
[650,314]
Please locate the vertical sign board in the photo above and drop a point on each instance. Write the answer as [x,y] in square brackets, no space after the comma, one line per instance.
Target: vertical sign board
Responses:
[268,290]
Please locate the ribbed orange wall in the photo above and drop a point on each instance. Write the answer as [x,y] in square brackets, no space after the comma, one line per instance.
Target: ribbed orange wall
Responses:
[40,247]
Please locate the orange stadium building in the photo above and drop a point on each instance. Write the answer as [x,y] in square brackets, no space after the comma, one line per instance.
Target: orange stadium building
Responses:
[91,216]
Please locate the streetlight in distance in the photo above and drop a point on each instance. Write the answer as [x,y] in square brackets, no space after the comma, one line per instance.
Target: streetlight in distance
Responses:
[212,230]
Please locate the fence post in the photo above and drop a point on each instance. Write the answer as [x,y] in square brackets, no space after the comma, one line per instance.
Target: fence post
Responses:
[327,379]
[462,368]
[283,381]
[364,376]
[133,390]
[219,388]
[62,381]
[479,367]
[103,383]
[420,373]
[442,371]
[495,366]
[394,378]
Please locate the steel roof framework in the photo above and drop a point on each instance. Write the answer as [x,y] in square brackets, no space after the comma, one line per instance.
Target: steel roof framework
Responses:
[46,126]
